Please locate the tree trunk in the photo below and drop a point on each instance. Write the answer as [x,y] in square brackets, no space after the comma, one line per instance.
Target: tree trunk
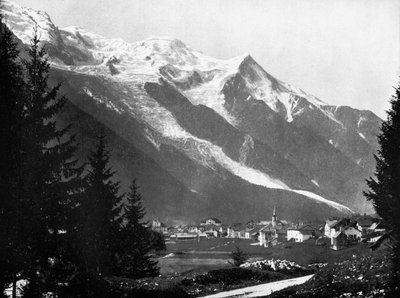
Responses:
[14,286]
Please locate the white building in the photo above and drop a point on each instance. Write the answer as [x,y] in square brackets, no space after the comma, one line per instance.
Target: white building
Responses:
[158,226]
[334,226]
[211,221]
[352,233]
[301,234]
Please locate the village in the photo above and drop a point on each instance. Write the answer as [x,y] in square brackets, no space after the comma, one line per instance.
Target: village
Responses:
[338,233]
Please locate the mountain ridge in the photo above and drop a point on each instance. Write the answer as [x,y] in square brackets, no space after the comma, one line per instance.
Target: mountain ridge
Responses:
[229,117]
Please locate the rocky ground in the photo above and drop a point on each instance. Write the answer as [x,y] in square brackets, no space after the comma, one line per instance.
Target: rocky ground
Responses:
[365,276]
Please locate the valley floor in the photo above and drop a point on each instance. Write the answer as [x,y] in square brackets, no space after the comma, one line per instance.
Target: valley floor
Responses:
[189,257]
[203,268]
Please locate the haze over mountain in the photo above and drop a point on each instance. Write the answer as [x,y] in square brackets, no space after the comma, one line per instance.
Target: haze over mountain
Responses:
[206,137]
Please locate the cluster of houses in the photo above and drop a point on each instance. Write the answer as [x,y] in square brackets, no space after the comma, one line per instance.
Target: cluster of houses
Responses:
[344,232]
[339,233]
[208,228]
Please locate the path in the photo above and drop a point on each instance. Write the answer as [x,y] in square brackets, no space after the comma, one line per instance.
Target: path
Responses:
[264,289]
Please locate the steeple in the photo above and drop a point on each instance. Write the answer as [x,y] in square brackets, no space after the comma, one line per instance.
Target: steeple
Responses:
[274,218]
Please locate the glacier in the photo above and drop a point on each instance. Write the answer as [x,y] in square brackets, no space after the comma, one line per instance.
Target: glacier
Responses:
[198,77]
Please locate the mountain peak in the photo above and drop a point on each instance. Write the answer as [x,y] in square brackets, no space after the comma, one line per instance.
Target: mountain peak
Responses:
[164,49]
[22,20]
[246,57]
[164,40]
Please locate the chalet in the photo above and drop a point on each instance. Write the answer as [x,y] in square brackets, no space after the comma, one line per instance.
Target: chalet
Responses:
[210,230]
[327,228]
[301,234]
[352,233]
[267,234]
[333,226]
[211,221]
[364,223]
[345,236]
[158,226]
[236,230]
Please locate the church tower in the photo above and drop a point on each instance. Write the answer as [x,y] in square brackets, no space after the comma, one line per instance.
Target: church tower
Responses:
[274,218]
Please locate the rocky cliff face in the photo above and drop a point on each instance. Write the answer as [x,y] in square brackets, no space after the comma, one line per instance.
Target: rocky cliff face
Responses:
[207,137]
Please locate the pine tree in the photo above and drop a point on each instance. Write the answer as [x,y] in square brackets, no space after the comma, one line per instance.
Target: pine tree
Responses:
[100,214]
[134,210]
[238,256]
[137,240]
[47,171]
[11,86]
[385,186]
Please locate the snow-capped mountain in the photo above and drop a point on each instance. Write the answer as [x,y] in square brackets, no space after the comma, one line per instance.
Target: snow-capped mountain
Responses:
[206,137]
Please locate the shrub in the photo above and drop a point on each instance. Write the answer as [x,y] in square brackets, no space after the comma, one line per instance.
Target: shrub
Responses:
[238,256]
[229,276]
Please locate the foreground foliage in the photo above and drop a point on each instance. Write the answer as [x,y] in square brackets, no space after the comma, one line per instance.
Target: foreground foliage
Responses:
[366,276]
[385,187]
[62,231]
[10,75]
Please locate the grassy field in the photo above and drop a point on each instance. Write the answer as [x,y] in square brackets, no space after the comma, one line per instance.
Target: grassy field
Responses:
[191,256]
[219,245]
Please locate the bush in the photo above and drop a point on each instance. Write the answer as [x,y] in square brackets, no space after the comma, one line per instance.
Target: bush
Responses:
[229,276]
[238,256]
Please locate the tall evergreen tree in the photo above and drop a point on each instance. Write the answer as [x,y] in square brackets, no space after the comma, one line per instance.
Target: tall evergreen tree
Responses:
[100,213]
[134,211]
[385,186]
[137,239]
[47,171]
[11,86]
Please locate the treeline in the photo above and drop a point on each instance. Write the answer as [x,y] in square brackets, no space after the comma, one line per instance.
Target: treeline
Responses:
[64,225]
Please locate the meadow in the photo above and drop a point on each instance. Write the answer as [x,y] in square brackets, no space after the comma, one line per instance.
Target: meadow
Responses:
[195,257]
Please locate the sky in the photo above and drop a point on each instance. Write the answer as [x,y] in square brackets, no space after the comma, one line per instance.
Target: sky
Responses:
[344,52]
